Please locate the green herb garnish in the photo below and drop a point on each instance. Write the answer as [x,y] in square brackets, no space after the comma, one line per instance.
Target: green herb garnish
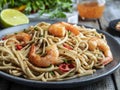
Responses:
[65,60]
[41,35]
[55,8]
[15,33]
[69,33]
[36,28]
[52,73]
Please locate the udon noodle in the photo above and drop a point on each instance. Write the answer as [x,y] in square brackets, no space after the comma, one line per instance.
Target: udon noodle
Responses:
[73,51]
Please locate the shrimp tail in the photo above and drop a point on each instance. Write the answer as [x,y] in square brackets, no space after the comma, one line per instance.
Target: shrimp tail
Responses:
[108,59]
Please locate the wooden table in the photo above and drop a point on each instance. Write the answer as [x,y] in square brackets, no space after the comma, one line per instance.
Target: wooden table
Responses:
[111,82]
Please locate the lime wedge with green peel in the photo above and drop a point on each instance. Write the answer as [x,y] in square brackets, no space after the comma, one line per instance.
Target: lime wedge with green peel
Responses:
[12,17]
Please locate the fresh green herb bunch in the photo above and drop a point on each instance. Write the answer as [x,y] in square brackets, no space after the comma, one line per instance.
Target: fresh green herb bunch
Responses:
[56,8]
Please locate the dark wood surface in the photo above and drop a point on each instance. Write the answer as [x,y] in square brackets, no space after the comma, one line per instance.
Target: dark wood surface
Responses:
[111,82]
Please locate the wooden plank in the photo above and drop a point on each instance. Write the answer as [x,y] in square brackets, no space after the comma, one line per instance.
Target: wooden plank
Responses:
[112,10]
[15,86]
[104,84]
[111,13]
[90,23]
[117,78]
[4,84]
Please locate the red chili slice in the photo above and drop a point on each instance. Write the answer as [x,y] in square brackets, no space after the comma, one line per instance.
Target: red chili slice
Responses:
[18,47]
[67,46]
[4,38]
[106,61]
[65,67]
[71,66]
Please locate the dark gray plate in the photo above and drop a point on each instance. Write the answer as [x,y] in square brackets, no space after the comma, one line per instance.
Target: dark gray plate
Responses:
[99,74]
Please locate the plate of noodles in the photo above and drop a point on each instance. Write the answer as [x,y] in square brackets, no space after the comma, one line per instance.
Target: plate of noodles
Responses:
[51,54]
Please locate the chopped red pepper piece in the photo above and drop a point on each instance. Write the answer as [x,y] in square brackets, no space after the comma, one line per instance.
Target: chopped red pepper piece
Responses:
[4,38]
[65,67]
[67,46]
[18,47]
[106,61]
[71,66]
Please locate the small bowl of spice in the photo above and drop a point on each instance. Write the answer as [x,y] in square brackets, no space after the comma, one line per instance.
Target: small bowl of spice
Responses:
[117,26]
[114,27]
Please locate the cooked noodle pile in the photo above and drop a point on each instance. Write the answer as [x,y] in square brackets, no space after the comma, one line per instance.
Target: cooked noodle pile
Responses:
[77,59]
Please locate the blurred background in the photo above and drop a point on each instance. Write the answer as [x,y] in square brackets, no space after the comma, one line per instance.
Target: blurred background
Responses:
[61,10]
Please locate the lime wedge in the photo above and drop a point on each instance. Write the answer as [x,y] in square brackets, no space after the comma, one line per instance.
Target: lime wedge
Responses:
[12,17]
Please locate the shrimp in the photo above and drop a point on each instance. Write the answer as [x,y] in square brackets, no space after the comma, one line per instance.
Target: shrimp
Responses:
[95,42]
[58,29]
[20,37]
[51,57]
